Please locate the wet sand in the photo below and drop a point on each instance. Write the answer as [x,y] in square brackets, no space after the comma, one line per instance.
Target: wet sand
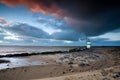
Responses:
[98,63]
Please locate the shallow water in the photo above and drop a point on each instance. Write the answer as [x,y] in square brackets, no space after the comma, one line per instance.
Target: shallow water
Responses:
[19,62]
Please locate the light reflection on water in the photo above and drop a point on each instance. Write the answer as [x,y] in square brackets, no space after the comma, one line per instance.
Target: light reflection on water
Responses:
[18,62]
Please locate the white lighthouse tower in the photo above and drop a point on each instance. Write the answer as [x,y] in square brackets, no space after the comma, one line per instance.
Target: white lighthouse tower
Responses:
[88,43]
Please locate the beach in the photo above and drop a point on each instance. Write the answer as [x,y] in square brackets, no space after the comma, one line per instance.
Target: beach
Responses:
[96,63]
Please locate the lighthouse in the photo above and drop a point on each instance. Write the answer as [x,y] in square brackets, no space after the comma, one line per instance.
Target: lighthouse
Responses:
[88,44]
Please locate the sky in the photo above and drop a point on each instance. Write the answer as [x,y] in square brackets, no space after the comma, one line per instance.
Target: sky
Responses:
[60,22]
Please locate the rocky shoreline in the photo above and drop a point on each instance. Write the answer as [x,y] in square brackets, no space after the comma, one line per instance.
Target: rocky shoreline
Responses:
[90,64]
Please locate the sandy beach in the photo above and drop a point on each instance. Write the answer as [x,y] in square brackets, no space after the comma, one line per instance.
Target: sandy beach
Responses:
[97,63]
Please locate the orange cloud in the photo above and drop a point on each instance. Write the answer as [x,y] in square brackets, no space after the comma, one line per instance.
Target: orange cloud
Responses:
[8,24]
[2,20]
[5,23]
[44,6]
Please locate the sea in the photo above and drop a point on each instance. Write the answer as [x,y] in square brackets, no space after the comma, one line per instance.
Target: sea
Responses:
[28,49]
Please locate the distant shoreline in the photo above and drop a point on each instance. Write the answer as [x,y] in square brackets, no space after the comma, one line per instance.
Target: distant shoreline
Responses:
[77,49]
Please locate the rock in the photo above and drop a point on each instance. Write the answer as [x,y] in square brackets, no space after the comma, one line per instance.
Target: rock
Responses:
[4,61]
[7,68]
[66,57]
[105,79]
[25,70]
[64,72]
[104,73]
[83,65]
[75,50]
[71,69]
[61,59]
[70,63]
[71,59]
[117,75]
[7,64]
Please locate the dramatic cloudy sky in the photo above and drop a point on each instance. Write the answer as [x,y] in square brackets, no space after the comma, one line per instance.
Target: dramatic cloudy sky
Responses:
[60,22]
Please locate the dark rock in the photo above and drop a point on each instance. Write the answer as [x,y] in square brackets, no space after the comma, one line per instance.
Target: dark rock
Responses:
[25,70]
[61,58]
[105,79]
[75,50]
[70,63]
[7,64]
[71,59]
[83,65]
[64,72]
[71,69]
[104,72]
[4,61]
[117,75]
[97,56]
[7,68]
[52,52]
[66,57]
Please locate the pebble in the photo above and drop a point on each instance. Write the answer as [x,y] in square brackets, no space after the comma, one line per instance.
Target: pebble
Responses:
[117,75]
[83,64]
[105,79]
[104,73]
[71,69]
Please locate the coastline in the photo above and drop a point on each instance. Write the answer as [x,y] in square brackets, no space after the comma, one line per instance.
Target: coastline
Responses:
[94,64]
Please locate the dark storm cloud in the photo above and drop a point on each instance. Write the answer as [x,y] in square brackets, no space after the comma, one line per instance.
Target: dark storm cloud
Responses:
[87,8]
[104,42]
[66,35]
[93,17]
[116,31]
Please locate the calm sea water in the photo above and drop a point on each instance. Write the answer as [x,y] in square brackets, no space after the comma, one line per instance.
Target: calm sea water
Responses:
[21,49]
